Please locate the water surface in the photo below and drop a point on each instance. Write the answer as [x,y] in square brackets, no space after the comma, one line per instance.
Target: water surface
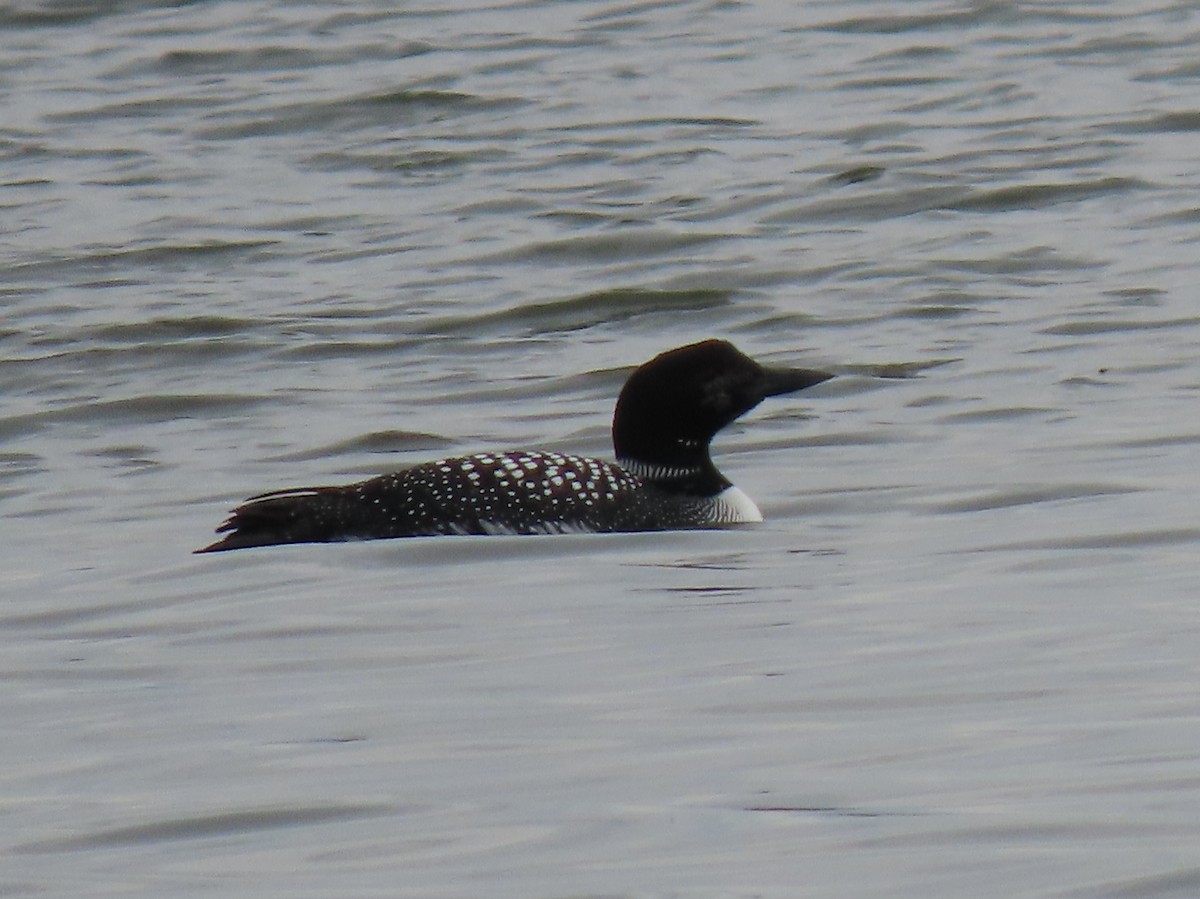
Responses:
[251,246]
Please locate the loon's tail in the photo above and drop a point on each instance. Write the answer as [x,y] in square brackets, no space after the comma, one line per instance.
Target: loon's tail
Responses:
[299,515]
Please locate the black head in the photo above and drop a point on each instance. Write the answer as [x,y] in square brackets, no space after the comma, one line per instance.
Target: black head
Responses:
[671,407]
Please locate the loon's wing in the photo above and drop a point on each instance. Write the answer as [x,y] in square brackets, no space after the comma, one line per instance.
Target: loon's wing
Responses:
[489,493]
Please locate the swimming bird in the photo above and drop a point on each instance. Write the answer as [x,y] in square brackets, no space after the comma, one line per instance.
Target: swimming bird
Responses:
[663,479]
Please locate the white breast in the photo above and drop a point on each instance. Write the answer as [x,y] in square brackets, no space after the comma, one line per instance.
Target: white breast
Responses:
[734,507]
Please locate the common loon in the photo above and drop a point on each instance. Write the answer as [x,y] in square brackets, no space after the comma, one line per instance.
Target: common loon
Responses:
[666,416]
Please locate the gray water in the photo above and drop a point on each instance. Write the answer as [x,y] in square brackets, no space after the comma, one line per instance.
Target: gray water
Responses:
[247,246]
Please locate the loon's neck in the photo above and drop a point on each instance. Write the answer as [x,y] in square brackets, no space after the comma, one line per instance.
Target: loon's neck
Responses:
[691,477]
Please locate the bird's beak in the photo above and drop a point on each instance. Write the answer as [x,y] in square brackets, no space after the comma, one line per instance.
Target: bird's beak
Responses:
[788,380]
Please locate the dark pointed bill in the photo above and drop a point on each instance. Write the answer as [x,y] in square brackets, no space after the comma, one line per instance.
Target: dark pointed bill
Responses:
[777,381]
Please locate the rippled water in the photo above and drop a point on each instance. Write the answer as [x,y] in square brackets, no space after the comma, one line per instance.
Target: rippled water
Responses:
[249,246]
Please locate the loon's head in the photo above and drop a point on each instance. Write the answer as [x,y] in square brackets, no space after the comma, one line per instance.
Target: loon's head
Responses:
[671,407]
